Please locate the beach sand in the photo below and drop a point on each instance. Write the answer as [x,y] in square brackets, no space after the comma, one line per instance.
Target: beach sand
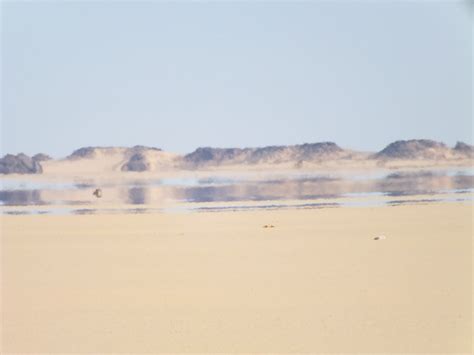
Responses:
[220,282]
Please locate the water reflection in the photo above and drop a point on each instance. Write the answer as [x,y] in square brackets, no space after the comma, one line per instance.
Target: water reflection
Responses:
[422,183]
[398,184]
[84,186]
[267,207]
[463,181]
[17,213]
[255,188]
[84,211]
[300,189]
[406,202]
[138,195]
[138,210]
[21,197]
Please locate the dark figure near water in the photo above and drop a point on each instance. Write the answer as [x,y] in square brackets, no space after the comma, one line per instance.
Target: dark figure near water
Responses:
[97,193]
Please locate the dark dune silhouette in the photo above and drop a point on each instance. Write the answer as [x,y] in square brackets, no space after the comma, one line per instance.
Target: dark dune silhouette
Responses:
[91,152]
[19,164]
[465,149]
[137,162]
[414,149]
[269,154]
[41,157]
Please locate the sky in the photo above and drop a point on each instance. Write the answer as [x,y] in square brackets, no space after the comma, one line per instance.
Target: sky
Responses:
[179,75]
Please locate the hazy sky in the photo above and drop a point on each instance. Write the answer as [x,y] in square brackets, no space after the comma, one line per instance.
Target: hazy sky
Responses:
[179,75]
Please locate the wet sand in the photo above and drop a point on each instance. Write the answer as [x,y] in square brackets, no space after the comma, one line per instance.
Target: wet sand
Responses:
[220,282]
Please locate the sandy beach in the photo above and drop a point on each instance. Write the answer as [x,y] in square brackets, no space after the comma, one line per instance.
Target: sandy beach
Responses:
[220,282]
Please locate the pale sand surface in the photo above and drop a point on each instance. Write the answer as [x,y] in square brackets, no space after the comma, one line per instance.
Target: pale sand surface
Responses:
[219,282]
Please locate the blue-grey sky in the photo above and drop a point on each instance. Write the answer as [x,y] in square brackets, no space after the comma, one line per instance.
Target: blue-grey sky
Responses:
[179,75]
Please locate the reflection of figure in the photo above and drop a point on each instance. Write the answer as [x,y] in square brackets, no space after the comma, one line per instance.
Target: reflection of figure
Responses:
[138,195]
[97,193]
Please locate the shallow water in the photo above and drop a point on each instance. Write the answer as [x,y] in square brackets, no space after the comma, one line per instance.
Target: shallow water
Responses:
[343,189]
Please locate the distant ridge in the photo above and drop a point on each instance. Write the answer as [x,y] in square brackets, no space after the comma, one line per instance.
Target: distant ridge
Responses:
[464,148]
[41,157]
[141,158]
[416,149]
[91,152]
[19,164]
[269,155]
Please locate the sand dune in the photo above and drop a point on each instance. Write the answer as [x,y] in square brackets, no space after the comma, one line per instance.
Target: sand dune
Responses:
[109,160]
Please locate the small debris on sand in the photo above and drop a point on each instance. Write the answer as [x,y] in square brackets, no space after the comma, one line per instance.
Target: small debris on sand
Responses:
[268,226]
[97,193]
[380,237]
